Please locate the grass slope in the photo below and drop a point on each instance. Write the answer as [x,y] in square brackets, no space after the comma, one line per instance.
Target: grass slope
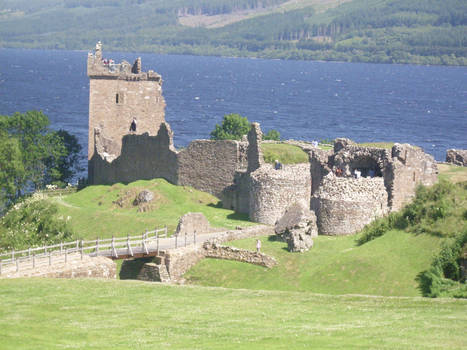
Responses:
[335,265]
[285,153]
[100,314]
[92,211]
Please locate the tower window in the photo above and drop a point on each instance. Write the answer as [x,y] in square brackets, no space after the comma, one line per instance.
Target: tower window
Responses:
[119,98]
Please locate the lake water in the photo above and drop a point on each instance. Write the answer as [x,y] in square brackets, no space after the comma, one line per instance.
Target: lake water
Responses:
[421,105]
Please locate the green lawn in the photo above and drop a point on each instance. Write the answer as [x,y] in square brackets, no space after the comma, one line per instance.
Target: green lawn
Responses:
[92,211]
[386,145]
[107,314]
[335,265]
[452,173]
[284,153]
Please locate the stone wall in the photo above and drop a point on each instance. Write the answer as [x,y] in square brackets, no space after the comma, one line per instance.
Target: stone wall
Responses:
[457,156]
[217,251]
[272,191]
[192,222]
[409,167]
[92,267]
[345,205]
[117,95]
[209,165]
[142,157]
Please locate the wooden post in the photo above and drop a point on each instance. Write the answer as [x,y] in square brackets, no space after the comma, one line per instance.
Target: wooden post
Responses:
[114,251]
[13,255]
[33,260]
[66,256]
[97,246]
[82,250]
[77,244]
[29,252]
[0,266]
[142,241]
[17,265]
[61,247]
[176,240]
[128,246]
[157,237]
[50,258]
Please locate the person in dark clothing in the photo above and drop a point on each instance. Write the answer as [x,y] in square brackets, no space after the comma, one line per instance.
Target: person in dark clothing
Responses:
[133,125]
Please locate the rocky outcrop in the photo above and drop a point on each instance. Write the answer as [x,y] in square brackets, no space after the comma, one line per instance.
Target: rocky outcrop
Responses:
[144,196]
[297,227]
[192,222]
[457,156]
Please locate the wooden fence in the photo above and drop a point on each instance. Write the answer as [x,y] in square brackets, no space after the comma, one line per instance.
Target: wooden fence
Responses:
[148,243]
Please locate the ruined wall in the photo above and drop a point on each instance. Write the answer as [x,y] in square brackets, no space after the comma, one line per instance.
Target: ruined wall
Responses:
[237,196]
[457,156]
[217,251]
[319,167]
[409,167]
[345,205]
[88,267]
[209,165]
[118,93]
[142,157]
[273,191]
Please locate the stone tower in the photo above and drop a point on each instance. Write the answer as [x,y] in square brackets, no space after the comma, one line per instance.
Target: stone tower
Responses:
[120,95]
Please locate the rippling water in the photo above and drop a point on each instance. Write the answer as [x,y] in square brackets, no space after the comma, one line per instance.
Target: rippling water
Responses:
[422,105]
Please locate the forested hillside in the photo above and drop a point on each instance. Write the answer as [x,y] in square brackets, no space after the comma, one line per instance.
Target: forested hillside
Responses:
[401,31]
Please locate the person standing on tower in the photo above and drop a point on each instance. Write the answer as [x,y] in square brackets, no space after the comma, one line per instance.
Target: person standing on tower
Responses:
[133,125]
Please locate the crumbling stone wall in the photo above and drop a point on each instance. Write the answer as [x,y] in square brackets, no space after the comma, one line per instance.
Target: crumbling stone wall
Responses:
[273,191]
[217,251]
[345,205]
[408,168]
[88,267]
[210,165]
[457,156]
[118,93]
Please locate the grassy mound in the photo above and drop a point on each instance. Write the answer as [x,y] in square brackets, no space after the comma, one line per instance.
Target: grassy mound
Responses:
[335,265]
[100,314]
[104,211]
[285,153]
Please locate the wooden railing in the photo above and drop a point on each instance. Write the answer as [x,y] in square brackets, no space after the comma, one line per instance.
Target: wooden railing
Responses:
[116,247]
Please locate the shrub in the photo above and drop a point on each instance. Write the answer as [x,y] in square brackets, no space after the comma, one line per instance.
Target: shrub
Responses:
[233,127]
[272,135]
[32,223]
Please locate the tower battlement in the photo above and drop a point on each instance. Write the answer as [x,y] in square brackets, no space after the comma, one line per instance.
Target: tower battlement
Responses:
[103,68]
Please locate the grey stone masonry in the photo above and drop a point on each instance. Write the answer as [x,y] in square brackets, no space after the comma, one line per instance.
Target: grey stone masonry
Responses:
[213,250]
[457,156]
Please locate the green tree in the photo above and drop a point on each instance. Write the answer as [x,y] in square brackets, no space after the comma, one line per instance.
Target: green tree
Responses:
[11,166]
[273,135]
[233,127]
[47,156]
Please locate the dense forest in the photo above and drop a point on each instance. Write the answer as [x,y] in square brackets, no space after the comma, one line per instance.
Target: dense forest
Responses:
[389,31]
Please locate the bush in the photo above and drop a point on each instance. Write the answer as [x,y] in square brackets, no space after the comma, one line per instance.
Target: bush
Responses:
[33,223]
[443,278]
[233,127]
[272,135]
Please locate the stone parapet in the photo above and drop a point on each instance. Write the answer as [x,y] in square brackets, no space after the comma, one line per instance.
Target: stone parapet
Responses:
[213,250]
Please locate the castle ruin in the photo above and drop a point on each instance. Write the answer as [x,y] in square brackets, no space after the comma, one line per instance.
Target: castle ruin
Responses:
[235,171]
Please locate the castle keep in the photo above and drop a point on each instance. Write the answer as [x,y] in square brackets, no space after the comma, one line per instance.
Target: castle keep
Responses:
[120,94]
[235,171]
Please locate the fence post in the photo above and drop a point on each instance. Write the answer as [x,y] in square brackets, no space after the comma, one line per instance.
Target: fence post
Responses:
[17,265]
[50,258]
[0,266]
[61,247]
[13,255]
[77,244]
[176,240]
[81,249]
[33,260]
[157,237]
[114,251]
[130,251]
[66,256]
[97,246]
[29,252]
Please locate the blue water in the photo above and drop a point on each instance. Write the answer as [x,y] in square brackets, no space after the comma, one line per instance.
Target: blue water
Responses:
[422,105]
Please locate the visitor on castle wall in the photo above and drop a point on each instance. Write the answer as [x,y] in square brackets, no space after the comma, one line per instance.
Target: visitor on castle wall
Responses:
[133,125]
[357,173]
[258,246]
[338,172]
[277,165]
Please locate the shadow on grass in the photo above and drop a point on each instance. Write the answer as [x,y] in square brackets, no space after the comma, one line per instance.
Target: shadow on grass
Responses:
[238,216]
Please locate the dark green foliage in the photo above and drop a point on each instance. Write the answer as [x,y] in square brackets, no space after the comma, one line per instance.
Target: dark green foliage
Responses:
[272,135]
[387,31]
[34,155]
[435,210]
[32,223]
[233,127]
[443,278]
